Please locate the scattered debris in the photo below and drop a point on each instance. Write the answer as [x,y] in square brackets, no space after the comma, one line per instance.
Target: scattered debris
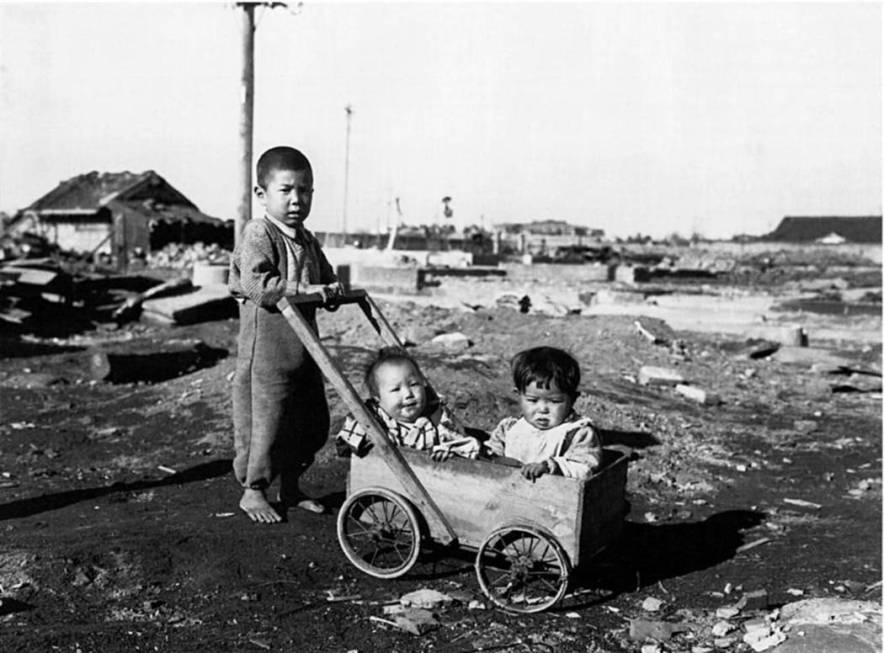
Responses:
[802,503]
[699,395]
[425,598]
[752,545]
[452,341]
[650,375]
[655,330]
[651,604]
[642,629]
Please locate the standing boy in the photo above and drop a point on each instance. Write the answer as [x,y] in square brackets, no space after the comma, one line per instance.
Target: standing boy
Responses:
[280,414]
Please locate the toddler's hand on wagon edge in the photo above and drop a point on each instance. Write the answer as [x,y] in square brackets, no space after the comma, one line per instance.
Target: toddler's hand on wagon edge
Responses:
[441,455]
[532,471]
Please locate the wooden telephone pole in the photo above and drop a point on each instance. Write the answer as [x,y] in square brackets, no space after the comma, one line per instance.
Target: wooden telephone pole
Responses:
[247,98]
[349,110]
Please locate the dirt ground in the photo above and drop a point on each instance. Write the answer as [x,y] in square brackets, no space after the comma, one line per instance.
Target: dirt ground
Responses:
[120,530]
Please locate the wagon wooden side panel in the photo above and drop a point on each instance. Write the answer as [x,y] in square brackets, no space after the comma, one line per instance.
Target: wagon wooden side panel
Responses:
[477,496]
[604,505]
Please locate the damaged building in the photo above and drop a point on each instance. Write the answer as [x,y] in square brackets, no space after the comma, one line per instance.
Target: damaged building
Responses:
[118,214]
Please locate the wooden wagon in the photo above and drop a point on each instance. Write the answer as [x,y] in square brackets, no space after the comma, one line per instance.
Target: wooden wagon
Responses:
[528,535]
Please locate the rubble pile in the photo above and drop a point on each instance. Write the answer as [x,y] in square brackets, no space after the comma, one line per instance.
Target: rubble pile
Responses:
[177,256]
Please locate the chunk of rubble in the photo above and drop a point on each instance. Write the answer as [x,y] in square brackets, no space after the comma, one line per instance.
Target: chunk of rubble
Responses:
[416,621]
[754,600]
[655,330]
[699,395]
[722,628]
[642,629]
[650,375]
[651,604]
[455,341]
[429,599]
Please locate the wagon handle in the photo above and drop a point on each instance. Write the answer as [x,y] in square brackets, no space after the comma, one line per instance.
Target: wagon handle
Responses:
[354,296]
[389,452]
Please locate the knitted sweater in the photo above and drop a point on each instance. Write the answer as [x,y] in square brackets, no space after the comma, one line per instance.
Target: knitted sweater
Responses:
[259,265]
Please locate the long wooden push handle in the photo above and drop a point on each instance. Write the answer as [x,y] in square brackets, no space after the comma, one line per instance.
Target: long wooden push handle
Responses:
[391,455]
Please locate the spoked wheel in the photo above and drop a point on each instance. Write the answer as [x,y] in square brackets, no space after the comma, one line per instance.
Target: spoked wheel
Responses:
[522,569]
[379,532]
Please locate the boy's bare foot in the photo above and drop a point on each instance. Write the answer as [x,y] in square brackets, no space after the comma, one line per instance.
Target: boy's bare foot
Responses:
[254,503]
[303,502]
[311,505]
[290,495]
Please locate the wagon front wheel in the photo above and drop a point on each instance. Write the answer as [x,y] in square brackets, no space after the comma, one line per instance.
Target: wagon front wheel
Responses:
[379,532]
[522,569]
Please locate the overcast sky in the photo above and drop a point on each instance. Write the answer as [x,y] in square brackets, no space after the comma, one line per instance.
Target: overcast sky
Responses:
[705,117]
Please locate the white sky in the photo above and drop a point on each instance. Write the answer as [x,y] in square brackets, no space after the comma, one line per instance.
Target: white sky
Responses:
[653,118]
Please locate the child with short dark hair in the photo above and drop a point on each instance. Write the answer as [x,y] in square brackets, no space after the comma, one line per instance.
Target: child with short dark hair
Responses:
[280,413]
[400,400]
[549,437]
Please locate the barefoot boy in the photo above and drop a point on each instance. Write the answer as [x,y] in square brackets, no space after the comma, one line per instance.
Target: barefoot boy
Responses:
[280,414]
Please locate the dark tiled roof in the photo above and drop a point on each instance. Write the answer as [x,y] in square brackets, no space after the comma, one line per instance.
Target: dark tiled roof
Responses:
[144,194]
[802,229]
[94,190]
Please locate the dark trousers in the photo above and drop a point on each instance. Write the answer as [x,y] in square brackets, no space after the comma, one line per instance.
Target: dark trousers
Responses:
[280,413]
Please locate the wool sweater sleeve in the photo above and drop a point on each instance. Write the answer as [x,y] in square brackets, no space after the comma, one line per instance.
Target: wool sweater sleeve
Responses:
[496,443]
[255,268]
[581,451]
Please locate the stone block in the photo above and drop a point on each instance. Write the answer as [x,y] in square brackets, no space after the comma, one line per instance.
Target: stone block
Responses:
[650,375]
[699,395]
[632,274]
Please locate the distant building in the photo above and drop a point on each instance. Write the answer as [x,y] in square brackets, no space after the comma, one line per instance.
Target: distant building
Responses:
[117,212]
[549,228]
[828,229]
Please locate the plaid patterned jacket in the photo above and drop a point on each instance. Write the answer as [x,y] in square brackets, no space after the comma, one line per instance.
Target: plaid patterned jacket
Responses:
[438,431]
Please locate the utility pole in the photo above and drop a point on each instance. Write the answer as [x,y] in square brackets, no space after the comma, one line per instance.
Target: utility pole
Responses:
[247,99]
[349,110]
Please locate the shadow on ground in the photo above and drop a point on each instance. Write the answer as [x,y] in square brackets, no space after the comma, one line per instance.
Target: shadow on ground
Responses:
[35,505]
[648,553]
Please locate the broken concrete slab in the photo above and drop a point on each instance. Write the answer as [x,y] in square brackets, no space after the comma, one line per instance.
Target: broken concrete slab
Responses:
[609,297]
[201,305]
[425,598]
[632,274]
[651,375]
[845,626]
[808,356]
[456,341]
[655,330]
[699,395]
[642,629]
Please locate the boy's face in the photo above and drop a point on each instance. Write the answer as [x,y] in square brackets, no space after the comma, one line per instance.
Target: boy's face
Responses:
[400,391]
[545,407]
[288,195]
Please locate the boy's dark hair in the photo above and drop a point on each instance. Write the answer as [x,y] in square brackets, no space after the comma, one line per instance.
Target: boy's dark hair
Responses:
[545,366]
[280,158]
[386,355]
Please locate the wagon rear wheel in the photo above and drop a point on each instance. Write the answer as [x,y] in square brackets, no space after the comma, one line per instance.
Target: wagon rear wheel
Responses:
[522,569]
[379,532]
